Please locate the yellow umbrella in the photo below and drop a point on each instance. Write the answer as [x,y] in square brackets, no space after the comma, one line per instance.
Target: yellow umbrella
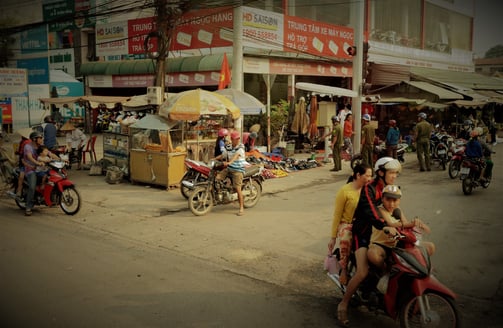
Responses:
[190,105]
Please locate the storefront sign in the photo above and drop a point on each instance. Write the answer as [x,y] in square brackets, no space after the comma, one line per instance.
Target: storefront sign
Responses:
[138,30]
[112,39]
[317,38]
[143,81]
[38,69]
[34,40]
[5,110]
[288,67]
[262,29]
[13,82]
[206,28]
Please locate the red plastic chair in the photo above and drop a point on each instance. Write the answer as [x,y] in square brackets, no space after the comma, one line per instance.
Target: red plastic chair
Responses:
[90,149]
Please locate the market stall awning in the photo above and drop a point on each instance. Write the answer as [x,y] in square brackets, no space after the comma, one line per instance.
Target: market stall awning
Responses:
[494,96]
[468,104]
[325,90]
[400,100]
[147,66]
[442,93]
[94,101]
[457,80]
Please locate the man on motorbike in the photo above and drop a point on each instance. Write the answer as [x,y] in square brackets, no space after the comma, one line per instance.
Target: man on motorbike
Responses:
[30,164]
[479,150]
[367,216]
[235,166]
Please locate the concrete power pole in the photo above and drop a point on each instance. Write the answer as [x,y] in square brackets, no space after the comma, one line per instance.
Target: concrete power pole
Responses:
[357,16]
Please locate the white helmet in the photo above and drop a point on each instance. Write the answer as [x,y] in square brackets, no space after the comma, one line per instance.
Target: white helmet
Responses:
[366,117]
[387,163]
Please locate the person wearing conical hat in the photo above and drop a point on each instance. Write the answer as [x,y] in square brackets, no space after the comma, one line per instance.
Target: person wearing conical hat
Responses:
[76,140]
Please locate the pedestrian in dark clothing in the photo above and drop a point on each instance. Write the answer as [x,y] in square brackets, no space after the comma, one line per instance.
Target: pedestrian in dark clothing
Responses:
[392,138]
[50,133]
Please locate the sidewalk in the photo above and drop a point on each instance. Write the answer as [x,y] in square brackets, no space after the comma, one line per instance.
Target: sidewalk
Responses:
[154,201]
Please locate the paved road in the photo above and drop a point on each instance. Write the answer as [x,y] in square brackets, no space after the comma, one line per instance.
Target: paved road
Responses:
[280,242]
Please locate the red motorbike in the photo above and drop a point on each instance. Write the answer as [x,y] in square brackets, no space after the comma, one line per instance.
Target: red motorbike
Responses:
[409,292]
[57,190]
[197,172]
[471,175]
[458,151]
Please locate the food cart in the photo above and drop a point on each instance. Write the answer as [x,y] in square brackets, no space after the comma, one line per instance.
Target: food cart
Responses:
[157,153]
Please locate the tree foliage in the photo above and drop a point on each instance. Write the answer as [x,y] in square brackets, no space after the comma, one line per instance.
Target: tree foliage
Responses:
[495,52]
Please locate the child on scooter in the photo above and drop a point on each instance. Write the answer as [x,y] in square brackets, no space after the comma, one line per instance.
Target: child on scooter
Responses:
[393,216]
[43,156]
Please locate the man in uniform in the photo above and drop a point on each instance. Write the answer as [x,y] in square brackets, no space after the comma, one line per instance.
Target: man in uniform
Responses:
[337,141]
[368,135]
[422,135]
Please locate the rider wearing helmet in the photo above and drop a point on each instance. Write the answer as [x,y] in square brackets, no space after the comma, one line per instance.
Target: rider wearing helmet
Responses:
[367,216]
[235,166]
[368,135]
[422,137]
[30,164]
[220,142]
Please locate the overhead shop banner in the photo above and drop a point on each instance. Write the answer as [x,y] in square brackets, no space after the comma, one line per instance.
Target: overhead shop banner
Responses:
[297,67]
[205,28]
[262,29]
[138,31]
[112,39]
[317,38]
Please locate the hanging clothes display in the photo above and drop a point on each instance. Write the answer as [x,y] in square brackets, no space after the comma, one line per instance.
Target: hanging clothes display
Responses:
[313,113]
[300,120]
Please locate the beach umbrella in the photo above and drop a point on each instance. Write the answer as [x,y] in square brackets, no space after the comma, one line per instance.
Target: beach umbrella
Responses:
[248,104]
[190,105]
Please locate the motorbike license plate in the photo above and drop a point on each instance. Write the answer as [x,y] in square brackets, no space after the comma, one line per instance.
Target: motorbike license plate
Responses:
[441,151]
[465,170]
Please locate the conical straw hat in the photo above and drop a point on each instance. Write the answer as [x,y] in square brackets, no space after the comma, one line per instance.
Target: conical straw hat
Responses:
[67,126]
[25,132]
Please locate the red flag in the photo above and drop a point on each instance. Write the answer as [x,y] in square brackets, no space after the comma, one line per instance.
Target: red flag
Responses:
[225,74]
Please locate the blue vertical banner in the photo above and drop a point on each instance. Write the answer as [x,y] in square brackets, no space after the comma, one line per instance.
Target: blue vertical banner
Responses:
[38,69]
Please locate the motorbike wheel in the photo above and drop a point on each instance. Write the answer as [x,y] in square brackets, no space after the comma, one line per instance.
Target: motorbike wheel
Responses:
[200,202]
[190,176]
[70,200]
[454,168]
[467,185]
[254,190]
[439,311]
[357,159]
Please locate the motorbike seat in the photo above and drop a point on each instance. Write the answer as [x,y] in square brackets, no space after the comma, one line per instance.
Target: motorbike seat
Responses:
[251,170]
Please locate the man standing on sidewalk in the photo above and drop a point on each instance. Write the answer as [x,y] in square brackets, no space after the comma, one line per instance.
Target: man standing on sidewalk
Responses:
[337,141]
[423,133]
[368,135]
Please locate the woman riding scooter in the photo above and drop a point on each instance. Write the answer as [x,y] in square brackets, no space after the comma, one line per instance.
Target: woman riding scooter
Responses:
[366,217]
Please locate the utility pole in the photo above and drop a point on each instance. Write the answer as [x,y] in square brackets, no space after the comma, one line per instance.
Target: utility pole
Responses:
[162,43]
[357,16]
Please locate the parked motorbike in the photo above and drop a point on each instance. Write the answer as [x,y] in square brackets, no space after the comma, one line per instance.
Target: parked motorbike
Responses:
[470,175]
[57,190]
[409,293]
[197,172]
[458,154]
[439,148]
[206,194]
[380,151]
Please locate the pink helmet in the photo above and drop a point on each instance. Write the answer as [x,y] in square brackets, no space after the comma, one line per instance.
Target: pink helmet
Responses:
[223,133]
[392,122]
[235,135]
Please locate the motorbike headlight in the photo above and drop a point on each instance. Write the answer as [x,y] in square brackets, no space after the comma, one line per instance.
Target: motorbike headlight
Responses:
[211,164]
